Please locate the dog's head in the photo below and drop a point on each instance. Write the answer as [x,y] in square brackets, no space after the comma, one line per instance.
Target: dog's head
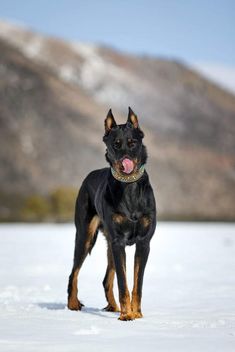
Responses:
[125,152]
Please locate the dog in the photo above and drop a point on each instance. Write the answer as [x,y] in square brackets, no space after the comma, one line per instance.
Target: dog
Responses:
[118,200]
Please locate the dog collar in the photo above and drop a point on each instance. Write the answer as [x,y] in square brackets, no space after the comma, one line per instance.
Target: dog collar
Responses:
[129,178]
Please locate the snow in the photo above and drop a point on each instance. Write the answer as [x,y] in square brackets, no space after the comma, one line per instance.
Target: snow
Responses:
[108,82]
[19,35]
[68,74]
[188,297]
[33,47]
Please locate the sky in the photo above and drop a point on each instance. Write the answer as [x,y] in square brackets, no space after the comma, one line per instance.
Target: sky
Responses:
[198,32]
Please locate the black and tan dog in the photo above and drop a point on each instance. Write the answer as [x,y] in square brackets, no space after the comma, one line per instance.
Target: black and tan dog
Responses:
[118,200]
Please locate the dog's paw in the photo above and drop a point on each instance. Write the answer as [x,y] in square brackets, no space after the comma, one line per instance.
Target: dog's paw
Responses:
[75,304]
[138,315]
[110,308]
[126,316]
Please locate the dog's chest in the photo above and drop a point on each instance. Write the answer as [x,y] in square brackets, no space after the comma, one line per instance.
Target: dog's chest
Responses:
[131,216]
[132,203]
[129,232]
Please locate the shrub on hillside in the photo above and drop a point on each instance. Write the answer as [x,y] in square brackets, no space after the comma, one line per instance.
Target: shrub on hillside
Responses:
[36,208]
[62,202]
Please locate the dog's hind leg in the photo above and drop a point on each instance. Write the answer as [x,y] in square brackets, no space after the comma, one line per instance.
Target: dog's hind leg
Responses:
[83,246]
[87,223]
[80,254]
[108,283]
[73,302]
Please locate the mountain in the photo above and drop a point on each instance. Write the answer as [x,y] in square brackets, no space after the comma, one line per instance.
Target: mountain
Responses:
[54,96]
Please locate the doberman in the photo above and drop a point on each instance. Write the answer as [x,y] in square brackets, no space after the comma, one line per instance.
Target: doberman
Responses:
[119,201]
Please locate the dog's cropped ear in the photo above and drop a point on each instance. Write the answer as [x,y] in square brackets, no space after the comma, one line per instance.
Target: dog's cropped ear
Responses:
[109,122]
[132,118]
[133,121]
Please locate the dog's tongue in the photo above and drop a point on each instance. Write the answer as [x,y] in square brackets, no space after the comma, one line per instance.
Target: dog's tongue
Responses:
[128,165]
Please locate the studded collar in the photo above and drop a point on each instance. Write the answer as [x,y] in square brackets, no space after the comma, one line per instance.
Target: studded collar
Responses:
[129,178]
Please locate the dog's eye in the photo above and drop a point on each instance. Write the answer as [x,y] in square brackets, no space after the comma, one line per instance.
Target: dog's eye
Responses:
[131,143]
[117,144]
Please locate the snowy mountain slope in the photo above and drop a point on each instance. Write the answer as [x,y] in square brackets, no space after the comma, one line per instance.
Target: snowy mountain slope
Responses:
[168,93]
[188,298]
[52,90]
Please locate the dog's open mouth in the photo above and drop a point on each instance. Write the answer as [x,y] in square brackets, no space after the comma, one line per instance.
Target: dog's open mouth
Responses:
[127,166]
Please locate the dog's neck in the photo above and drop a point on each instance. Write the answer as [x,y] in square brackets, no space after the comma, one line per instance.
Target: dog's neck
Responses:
[129,178]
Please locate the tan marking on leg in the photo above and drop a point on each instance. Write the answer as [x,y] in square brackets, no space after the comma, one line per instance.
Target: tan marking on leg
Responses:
[95,221]
[73,302]
[126,311]
[112,305]
[125,303]
[92,227]
[136,299]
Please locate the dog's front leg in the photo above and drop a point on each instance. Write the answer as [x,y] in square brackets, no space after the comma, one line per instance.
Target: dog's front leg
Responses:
[141,257]
[119,256]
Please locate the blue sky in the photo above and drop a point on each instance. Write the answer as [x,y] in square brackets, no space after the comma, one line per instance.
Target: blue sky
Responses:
[191,30]
[199,32]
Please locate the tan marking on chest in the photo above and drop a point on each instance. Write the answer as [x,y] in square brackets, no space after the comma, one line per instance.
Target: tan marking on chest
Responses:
[145,221]
[119,218]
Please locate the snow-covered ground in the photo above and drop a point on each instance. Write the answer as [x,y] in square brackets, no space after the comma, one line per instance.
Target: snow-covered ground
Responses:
[188,297]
